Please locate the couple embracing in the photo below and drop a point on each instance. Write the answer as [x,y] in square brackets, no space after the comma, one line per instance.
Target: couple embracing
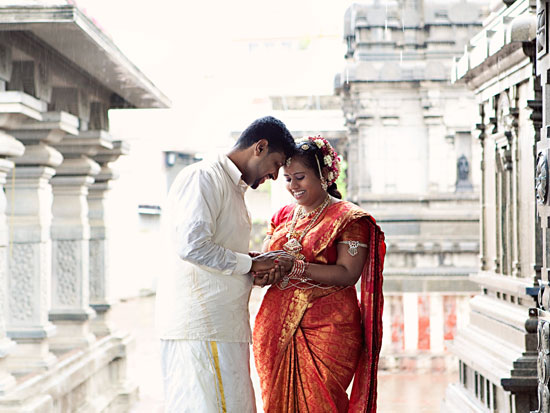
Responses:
[311,336]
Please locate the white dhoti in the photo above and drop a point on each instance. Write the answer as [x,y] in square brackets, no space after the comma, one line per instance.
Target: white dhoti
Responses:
[207,376]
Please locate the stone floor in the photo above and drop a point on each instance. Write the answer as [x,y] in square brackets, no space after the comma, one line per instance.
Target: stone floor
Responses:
[397,392]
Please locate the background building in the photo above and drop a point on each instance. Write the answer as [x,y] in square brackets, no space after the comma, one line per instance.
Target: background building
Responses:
[412,164]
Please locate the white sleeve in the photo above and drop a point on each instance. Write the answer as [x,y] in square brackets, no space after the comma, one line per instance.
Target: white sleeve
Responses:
[195,202]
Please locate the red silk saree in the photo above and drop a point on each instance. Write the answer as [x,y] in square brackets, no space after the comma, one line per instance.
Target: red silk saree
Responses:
[310,343]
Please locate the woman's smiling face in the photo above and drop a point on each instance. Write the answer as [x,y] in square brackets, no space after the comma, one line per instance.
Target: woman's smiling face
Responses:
[303,184]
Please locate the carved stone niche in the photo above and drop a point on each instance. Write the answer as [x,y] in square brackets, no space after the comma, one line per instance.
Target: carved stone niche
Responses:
[31,77]
[463,183]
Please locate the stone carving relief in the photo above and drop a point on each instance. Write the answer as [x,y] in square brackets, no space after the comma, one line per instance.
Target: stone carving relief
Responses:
[21,283]
[506,113]
[463,174]
[541,178]
[45,279]
[543,366]
[504,152]
[542,25]
[66,272]
[97,276]
[463,168]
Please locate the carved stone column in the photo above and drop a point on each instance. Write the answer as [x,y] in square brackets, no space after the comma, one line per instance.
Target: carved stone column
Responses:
[8,147]
[70,253]
[541,118]
[30,264]
[99,237]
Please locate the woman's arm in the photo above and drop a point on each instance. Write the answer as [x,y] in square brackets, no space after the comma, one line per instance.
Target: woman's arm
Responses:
[346,271]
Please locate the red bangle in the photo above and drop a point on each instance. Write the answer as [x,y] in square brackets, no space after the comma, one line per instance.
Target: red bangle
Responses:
[298,269]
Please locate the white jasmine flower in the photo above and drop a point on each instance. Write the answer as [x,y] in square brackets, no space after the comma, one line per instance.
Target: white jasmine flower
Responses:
[319,143]
[328,160]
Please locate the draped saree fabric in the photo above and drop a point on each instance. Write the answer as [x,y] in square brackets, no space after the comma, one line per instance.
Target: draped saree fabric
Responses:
[310,343]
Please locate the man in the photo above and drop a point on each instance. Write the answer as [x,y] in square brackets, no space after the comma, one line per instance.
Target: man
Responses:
[202,306]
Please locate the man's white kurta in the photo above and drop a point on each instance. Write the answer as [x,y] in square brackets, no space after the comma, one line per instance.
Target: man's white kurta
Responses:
[202,305]
[206,296]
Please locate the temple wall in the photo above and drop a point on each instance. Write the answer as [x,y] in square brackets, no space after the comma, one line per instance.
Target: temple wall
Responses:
[497,349]
[413,165]
[59,352]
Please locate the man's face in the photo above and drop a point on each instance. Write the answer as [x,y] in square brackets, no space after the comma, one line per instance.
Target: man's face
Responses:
[265,166]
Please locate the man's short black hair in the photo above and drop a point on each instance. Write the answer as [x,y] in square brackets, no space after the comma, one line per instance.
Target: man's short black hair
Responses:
[271,129]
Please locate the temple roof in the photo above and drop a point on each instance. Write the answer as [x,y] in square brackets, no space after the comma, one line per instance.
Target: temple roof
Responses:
[79,39]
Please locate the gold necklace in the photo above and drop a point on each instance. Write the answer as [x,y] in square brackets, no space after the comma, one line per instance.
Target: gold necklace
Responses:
[301,213]
[294,246]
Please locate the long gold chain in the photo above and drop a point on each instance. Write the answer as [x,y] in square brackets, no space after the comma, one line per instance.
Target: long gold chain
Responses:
[299,212]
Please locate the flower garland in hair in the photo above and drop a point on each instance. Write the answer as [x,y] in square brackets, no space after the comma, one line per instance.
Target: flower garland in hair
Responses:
[330,160]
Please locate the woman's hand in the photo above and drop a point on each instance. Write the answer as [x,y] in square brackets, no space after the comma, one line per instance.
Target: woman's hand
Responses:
[283,263]
[268,277]
[282,259]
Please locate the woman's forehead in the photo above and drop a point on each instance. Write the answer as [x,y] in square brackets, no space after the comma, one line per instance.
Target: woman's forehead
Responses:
[296,165]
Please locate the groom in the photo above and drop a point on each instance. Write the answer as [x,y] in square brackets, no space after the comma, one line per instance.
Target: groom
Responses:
[202,306]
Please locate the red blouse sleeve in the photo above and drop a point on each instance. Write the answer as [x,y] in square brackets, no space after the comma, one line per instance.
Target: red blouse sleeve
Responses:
[279,217]
[357,230]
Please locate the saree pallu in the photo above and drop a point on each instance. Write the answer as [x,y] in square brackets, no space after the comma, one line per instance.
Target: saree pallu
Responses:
[309,343]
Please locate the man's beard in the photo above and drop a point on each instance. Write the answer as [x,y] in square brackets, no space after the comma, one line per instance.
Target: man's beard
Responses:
[255,184]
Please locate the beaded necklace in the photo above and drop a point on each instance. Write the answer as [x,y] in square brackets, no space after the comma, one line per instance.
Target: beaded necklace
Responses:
[294,246]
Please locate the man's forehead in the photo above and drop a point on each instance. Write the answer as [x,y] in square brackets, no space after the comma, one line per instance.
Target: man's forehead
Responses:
[279,157]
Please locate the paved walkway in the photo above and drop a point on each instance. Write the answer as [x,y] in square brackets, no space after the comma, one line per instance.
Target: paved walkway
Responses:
[415,393]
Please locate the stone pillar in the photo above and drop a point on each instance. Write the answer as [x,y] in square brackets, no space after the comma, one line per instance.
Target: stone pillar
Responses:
[70,310]
[8,147]
[99,237]
[30,263]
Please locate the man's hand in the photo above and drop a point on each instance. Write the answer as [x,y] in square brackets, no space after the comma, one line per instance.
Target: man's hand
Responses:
[282,265]
[263,262]
[270,277]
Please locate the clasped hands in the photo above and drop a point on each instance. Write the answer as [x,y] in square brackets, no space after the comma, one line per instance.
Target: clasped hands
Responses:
[270,267]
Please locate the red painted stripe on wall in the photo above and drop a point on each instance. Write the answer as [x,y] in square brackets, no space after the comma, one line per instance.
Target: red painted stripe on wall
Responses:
[423,322]
[449,317]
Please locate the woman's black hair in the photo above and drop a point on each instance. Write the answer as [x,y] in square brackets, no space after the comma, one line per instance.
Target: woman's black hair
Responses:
[313,158]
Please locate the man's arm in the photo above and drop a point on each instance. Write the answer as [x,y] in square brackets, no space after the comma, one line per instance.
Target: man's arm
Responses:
[195,203]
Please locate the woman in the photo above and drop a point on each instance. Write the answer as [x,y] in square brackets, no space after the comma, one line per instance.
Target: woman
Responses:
[311,337]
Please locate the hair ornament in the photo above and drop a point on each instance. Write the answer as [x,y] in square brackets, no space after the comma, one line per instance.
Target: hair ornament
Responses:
[329,157]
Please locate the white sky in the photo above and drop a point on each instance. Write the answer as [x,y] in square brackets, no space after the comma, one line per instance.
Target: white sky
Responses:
[197,53]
